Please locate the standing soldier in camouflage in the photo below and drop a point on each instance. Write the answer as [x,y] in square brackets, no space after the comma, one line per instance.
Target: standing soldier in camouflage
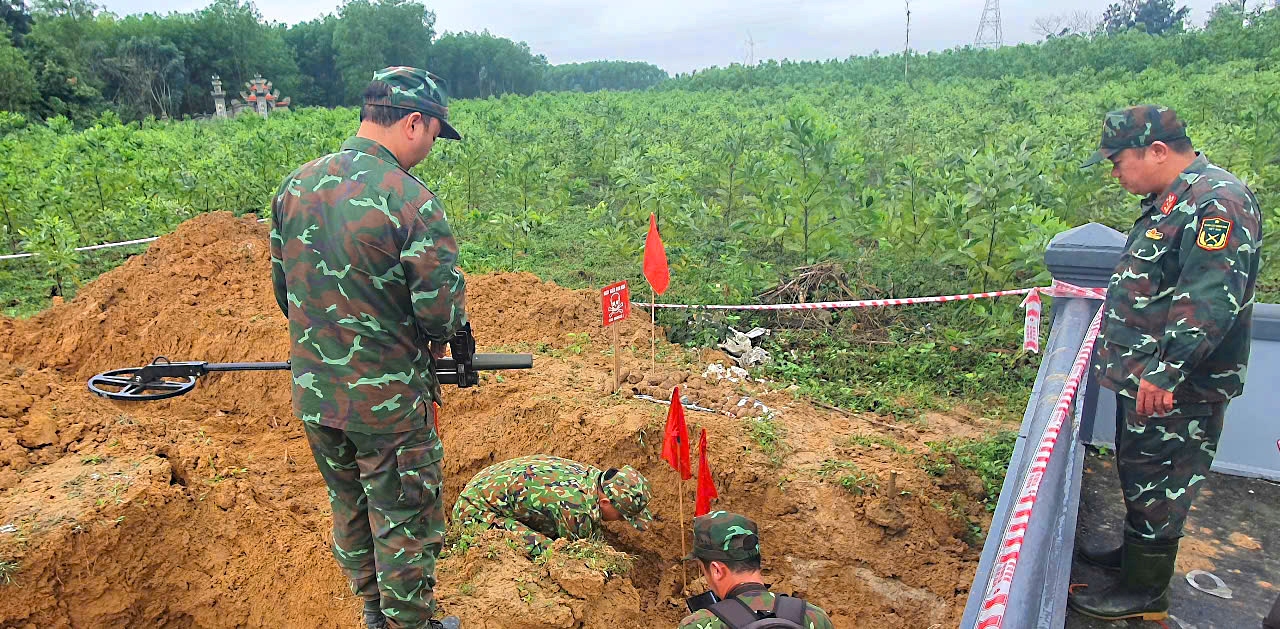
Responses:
[1174,343]
[363,263]
[727,549]
[544,498]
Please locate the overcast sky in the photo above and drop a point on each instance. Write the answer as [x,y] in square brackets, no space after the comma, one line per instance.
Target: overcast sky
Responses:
[681,35]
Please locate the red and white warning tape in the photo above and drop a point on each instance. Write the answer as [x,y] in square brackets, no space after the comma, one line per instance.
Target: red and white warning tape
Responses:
[1032,304]
[994,602]
[1058,289]
[835,305]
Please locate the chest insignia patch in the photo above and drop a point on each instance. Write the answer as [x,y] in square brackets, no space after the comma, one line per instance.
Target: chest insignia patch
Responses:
[1214,234]
[1154,234]
[1169,202]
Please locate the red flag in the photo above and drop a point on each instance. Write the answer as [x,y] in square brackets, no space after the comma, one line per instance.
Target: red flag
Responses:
[675,442]
[655,259]
[706,485]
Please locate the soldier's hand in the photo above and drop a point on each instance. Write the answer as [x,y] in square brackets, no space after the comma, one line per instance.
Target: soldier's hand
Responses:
[1153,400]
[438,349]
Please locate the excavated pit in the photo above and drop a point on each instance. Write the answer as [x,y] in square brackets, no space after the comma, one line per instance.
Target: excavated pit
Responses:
[206,510]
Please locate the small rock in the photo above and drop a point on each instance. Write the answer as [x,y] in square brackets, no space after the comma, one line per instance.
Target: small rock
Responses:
[40,431]
[8,478]
[71,434]
[224,495]
[38,389]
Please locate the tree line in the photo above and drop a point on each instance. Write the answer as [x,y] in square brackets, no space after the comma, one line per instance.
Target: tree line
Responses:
[75,59]
[1131,36]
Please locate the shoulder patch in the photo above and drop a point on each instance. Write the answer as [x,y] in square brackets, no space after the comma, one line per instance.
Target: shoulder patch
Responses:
[1169,202]
[1214,233]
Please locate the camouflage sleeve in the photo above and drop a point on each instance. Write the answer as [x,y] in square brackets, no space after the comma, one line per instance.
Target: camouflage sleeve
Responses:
[1217,253]
[815,618]
[436,285]
[277,257]
[701,619]
[577,523]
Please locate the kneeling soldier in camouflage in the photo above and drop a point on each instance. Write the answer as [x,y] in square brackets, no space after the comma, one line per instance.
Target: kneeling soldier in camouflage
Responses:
[727,550]
[544,498]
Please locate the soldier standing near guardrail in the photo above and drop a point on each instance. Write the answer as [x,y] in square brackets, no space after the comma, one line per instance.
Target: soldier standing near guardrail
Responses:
[363,263]
[1174,343]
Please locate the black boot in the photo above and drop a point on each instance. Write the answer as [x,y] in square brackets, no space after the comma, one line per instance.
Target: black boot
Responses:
[1108,559]
[1142,591]
[1272,621]
[373,618]
[448,622]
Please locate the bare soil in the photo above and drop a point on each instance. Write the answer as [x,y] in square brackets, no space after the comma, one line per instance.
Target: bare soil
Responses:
[206,510]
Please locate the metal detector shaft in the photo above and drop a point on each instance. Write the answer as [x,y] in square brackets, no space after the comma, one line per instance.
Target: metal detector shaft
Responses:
[246,366]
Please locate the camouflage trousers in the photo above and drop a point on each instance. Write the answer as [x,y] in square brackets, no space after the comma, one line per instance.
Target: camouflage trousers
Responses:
[1161,462]
[388,520]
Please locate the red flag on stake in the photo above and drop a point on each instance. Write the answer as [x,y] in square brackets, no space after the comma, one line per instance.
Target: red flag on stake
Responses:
[655,259]
[706,486]
[675,441]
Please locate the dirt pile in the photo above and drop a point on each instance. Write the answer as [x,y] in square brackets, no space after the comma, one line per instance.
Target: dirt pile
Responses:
[206,510]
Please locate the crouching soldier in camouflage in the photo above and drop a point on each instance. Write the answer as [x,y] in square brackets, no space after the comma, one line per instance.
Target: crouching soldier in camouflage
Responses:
[727,549]
[544,498]
[363,263]
[1174,343]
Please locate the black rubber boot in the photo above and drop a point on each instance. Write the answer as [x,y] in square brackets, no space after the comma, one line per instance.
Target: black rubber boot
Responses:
[1108,559]
[373,618]
[1142,592]
[1272,621]
[448,622]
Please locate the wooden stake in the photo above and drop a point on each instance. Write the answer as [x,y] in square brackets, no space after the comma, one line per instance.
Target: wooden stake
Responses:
[653,329]
[893,485]
[684,570]
[617,361]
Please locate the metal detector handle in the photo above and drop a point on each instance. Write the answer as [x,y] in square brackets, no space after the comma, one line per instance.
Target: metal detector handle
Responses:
[493,362]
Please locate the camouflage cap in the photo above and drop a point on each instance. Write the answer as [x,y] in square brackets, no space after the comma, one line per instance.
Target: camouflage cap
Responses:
[416,90]
[628,492]
[724,536]
[1136,127]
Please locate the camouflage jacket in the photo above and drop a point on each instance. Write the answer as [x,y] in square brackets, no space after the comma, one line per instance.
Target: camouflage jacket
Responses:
[363,264]
[1179,307]
[760,599]
[540,497]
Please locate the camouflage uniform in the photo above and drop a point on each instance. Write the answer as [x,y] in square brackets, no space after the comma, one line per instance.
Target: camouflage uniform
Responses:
[543,498]
[363,263]
[725,536]
[1178,314]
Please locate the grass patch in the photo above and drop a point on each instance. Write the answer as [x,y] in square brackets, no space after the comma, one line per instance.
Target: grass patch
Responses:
[596,554]
[848,475]
[988,458]
[768,435]
[7,570]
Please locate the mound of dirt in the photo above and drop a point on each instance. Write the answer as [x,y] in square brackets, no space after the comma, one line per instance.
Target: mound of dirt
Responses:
[206,510]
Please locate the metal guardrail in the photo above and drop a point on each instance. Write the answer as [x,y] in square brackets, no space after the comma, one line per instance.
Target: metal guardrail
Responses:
[1038,594]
